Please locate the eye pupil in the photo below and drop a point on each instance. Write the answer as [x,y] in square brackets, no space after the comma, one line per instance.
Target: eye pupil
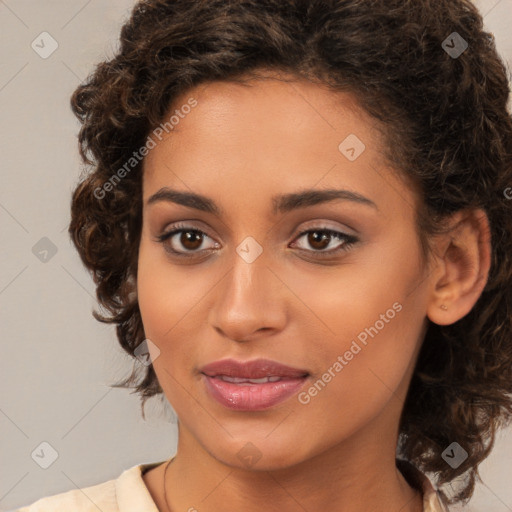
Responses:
[318,239]
[191,237]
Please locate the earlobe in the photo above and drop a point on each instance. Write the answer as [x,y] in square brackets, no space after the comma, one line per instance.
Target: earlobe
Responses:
[462,267]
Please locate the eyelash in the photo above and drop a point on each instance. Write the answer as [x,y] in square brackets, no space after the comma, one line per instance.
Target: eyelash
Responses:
[348,240]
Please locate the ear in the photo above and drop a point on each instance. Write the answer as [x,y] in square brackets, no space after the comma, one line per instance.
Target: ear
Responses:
[461,267]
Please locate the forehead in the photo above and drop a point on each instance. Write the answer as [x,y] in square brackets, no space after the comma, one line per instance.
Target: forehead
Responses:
[271,100]
[242,139]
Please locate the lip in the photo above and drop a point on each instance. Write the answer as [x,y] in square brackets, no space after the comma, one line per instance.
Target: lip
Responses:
[255,369]
[247,396]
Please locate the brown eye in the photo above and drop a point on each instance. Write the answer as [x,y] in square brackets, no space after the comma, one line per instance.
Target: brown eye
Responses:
[191,240]
[318,240]
[185,241]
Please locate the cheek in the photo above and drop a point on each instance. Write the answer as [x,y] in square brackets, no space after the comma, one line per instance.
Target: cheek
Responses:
[363,372]
[172,305]
[165,295]
[371,314]
[165,303]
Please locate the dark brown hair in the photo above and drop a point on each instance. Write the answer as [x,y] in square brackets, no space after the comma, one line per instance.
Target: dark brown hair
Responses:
[446,126]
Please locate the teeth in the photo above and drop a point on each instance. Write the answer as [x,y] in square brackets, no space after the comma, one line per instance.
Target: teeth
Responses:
[241,380]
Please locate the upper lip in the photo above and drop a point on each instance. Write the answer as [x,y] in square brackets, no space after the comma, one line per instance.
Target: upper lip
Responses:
[255,369]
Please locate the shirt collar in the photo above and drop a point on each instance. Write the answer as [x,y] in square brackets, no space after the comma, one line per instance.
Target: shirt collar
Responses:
[432,501]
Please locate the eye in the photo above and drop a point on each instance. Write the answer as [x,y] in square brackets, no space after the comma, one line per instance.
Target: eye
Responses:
[320,239]
[190,241]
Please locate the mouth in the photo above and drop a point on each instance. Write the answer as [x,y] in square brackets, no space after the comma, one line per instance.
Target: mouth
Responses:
[252,385]
[252,370]
[243,381]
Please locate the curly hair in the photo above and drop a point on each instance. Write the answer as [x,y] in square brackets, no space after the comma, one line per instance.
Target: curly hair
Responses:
[447,129]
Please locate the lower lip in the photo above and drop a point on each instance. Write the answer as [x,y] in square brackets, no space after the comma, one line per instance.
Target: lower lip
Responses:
[253,397]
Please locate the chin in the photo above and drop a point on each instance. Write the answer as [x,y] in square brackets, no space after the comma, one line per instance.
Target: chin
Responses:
[260,454]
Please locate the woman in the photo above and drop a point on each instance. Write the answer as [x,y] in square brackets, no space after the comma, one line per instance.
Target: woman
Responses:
[299,210]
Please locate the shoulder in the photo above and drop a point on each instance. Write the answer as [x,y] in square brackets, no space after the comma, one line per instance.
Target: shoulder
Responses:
[432,499]
[121,494]
[102,496]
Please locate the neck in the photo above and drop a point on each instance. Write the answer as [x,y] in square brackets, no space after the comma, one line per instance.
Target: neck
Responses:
[344,478]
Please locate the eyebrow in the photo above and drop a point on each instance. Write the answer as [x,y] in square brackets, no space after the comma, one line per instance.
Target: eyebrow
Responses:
[281,203]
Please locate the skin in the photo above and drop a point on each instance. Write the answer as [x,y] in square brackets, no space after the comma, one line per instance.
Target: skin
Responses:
[240,146]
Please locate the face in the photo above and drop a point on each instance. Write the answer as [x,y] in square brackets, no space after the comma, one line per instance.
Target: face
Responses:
[267,265]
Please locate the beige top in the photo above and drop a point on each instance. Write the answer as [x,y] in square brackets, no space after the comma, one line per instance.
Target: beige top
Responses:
[128,493]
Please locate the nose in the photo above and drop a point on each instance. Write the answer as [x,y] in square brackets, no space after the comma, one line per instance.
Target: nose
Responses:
[250,302]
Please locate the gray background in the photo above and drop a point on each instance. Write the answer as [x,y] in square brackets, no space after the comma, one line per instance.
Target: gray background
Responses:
[56,360]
